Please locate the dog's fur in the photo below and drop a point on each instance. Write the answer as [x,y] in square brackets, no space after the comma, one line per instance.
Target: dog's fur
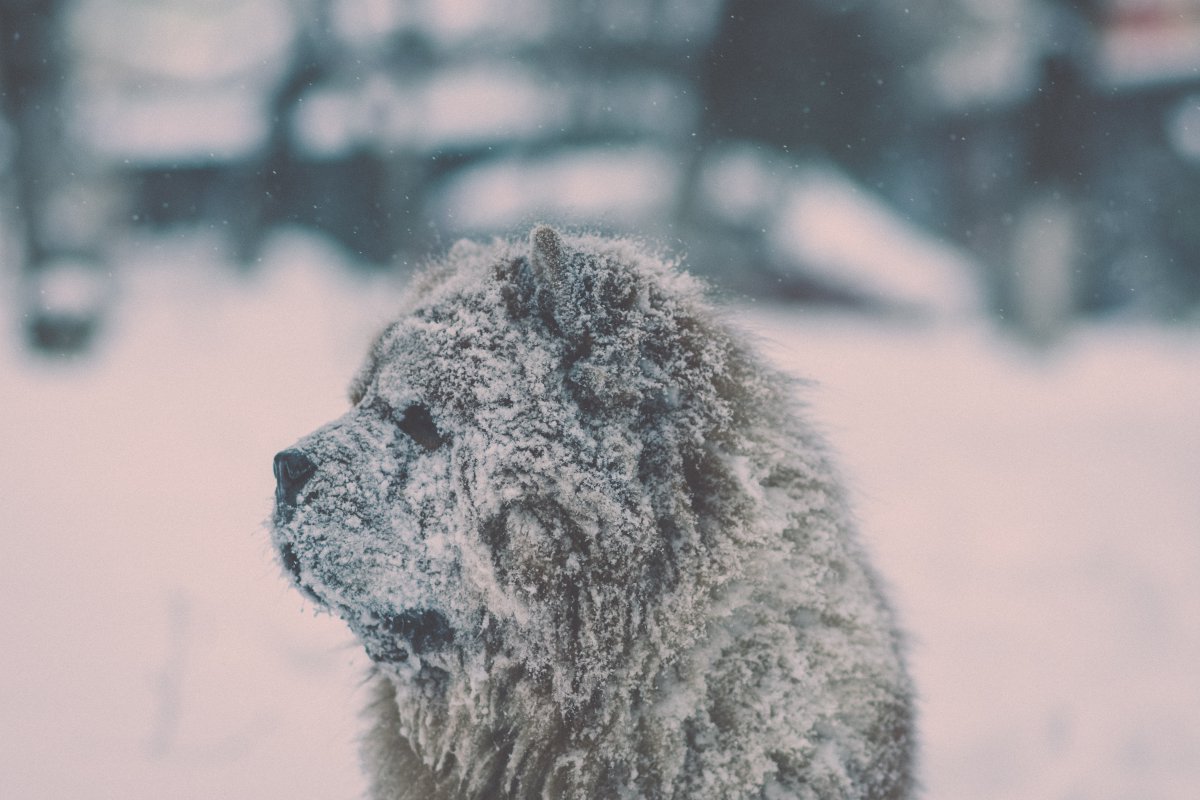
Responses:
[593,549]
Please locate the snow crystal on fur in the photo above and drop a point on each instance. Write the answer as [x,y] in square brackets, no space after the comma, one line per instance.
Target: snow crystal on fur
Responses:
[594,549]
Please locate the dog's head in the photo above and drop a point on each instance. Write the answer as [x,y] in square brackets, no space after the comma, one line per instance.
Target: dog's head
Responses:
[541,466]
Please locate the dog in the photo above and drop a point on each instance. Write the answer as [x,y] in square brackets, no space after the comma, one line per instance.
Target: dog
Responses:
[592,547]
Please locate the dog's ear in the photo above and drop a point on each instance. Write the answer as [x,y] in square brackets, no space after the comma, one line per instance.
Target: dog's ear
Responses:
[547,254]
[548,265]
[580,294]
[533,282]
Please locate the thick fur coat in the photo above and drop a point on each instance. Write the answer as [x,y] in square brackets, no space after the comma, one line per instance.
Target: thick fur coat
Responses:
[593,548]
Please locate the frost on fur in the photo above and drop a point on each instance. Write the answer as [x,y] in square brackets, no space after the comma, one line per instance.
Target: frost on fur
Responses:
[592,548]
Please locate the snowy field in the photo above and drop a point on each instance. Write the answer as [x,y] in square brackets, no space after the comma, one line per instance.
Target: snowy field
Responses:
[1038,517]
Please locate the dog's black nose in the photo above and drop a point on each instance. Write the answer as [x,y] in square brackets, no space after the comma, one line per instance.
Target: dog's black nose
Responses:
[292,471]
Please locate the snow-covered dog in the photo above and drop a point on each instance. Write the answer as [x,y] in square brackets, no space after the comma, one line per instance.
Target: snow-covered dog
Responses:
[592,549]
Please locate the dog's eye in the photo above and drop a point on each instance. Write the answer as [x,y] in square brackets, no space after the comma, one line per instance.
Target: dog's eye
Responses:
[417,422]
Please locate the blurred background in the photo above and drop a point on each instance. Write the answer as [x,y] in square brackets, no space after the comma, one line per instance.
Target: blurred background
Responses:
[975,223]
[1037,159]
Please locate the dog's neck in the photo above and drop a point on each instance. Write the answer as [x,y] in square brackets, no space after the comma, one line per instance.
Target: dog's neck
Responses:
[417,747]
[504,738]
[393,769]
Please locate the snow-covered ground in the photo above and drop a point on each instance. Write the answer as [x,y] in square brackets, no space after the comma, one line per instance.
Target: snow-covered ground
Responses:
[1038,517]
